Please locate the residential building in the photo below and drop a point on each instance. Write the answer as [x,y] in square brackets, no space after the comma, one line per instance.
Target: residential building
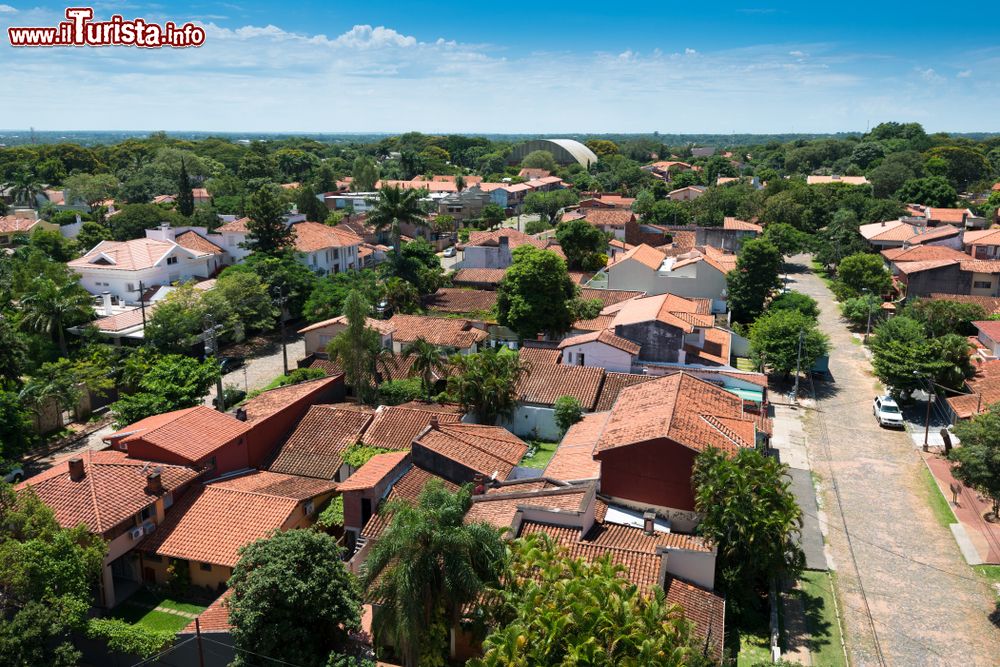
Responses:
[609,220]
[21,222]
[687,193]
[317,336]
[480,279]
[963,218]
[697,273]
[327,249]
[827,180]
[664,169]
[988,336]
[529,173]
[465,205]
[990,304]
[451,335]
[983,388]
[214,520]
[606,200]
[118,267]
[316,446]
[982,244]
[492,250]
[955,275]
[118,498]
[457,301]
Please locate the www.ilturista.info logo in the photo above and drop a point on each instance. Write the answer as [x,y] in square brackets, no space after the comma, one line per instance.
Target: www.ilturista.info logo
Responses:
[81,30]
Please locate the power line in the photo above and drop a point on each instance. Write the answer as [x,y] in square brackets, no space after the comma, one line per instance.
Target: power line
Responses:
[163,652]
[243,650]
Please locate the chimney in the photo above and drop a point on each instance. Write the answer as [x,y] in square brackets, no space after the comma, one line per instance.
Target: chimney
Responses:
[478,484]
[76,469]
[106,301]
[154,484]
[648,521]
[241,414]
[434,422]
[165,231]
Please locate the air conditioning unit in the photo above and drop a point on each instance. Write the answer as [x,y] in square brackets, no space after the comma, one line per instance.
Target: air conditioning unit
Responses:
[136,533]
[309,508]
[148,527]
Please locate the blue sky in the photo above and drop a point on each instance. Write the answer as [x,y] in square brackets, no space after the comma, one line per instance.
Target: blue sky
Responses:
[675,67]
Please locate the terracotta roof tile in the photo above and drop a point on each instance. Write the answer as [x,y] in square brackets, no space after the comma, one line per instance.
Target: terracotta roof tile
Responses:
[192,433]
[14,224]
[489,450]
[499,509]
[981,265]
[949,215]
[921,253]
[934,234]
[908,268]
[478,276]
[514,237]
[545,383]
[849,180]
[613,384]
[382,326]
[675,407]
[990,304]
[395,427]
[192,240]
[124,320]
[605,337]
[740,225]
[395,367]
[454,300]
[134,255]
[716,349]
[440,331]
[608,297]
[271,483]
[238,226]
[540,356]
[273,401]
[316,446]
[615,218]
[408,488]
[574,457]
[646,255]
[313,236]
[215,618]
[373,471]
[112,490]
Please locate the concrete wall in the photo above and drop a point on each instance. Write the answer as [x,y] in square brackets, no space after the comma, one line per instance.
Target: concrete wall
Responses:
[947,280]
[486,257]
[598,355]
[632,275]
[694,566]
[659,341]
[533,422]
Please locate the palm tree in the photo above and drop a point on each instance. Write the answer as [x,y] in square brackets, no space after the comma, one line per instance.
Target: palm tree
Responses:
[426,567]
[486,383]
[427,361]
[24,186]
[51,307]
[460,182]
[395,207]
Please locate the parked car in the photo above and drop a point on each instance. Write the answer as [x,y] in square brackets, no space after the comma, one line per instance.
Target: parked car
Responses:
[14,474]
[887,412]
[230,364]
[450,251]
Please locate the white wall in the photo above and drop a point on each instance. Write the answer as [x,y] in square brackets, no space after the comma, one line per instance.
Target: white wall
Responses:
[97,278]
[598,355]
[486,257]
[695,566]
[631,275]
[530,421]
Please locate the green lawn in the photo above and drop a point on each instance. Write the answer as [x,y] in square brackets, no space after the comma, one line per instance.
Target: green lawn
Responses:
[816,592]
[939,504]
[990,572]
[139,610]
[744,364]
[749,639]
[541,456]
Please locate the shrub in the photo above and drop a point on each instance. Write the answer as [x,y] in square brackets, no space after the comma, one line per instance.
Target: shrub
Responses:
[332,515]
[123,637]
[357,454]
[568,411]
[536,226]
[395,392]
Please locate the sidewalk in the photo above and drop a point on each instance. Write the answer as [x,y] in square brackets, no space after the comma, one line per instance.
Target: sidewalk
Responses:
[980,534]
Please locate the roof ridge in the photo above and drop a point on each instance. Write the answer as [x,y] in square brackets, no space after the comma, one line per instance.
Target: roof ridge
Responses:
[715,422]
[213,483]
[93,492]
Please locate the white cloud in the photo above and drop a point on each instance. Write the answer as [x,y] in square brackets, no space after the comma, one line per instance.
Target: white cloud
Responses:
[7,9]
[364,36]
[965,74]
[798,54]
[689,52]
[929,75]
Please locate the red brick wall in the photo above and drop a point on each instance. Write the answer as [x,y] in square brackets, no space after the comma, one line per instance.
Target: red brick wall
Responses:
[657,472]
[229,457]
[265,435]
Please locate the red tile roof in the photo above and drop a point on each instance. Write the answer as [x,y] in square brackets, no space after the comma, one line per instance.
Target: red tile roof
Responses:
[124,320]
[373,471]
[14,224]
[441,331]
[676,311]
[478,276]
[681,408]
[273,401]
[134,255]
[514,237]
[407,488]
[271,483]
[606,337]
[716,349]
[499,507]
[313,236]
[192,433]
[395,367]
[574,457]
[991,328]
[613,384]
[540,356]
[112,490]
[382,326]
[215,618]
[316,446]
[985,388]
[990,304]
[740,225]
[546,383]
[646,255]
[236,226]
[489,450]
[192,240]
[981,265]
[950,215]
[921,253]
[608,297]
[455,300]
[615,218]
[395,427]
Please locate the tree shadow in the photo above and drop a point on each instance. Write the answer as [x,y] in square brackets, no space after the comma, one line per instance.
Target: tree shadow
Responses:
[995,616]
[815,633]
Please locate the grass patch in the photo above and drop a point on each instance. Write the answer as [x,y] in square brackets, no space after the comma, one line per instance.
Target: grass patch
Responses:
[939,504]
[990,572]
[139,610]
[539,454]
[822,621]
[820,271]
[749,639]
[744,364]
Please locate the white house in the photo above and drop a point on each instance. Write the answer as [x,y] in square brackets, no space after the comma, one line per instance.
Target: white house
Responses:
[119,266]
[600,348]
[492,250]
[317,336]
[323,248]
[699,273]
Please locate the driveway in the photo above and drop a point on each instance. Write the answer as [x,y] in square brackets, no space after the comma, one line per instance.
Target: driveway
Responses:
[259,370]
[879,523]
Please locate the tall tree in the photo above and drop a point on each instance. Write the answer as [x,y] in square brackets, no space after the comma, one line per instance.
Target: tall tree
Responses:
[170,382]
[267,231]
[293,599]
[427,361]
[548,205]
[52,307]
[486,383]
[309,204]
[752,516]
[364,174]
[427,566]
[185,195]
[536,294]
[395,207]
[977,461]
[357,348]
[863,272]
[930,191]
[555,610]
[24,185]
[753,280]
[774,341]
[580,241]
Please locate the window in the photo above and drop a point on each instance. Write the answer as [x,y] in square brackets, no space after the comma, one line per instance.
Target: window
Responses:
[336,253]
[982,284]
[171,260]
[153,558]
[207,567]
[129,287]
[146,513]
[579,358]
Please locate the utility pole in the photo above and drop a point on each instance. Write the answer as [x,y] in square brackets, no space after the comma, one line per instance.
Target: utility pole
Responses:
[281,298]
[927,414]
[142,305]
[201,654]
[212,348]
[798,364]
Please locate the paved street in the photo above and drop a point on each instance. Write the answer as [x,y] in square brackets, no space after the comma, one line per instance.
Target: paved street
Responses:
[259,370]
[935,612]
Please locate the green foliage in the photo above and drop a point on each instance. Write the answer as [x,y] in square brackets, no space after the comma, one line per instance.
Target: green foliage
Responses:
[753,280]
[132,220]
[16,432]
[282,274]
[963,165]
[178,321]
[536,293]
[537,226]
[267,231]
[13,349]
[485,383]
[428,565]
[428,364]
[568,411]
[978,459]
[364,174]
[293,597]
[803,303]
[863,272]
[395,392]
[579,241]
[395,207]
[540,160]
[172,382]
[774,340]
[840,238]
[90,188]
[940,316]
[241,303]
[549,204]
[753,518]
[787,239]
[92,233]
[327,299]
[904,357]
[53,306]
[358,454]
[185,195]
[557,610]
[858,309]
[930,191]
[332,515]
[122,637]
[418,265]
[357,349]
[493,215]
[309,204]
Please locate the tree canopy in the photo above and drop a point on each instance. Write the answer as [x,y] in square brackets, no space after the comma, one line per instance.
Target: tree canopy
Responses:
[755,277]
[536,293]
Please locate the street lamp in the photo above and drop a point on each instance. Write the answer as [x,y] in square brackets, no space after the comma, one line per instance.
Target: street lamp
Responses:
[868,327]
[930,399]
[280,298]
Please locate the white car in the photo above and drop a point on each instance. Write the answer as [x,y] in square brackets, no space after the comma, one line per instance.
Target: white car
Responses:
[887,412]
[449,252]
